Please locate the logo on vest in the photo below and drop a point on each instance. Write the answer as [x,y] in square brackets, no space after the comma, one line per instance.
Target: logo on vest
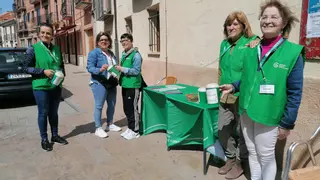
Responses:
[243,47]
[281,66]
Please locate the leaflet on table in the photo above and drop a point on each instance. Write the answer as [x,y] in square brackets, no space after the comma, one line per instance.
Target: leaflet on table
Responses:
[173,92]
[162,89]
[166,88]
[175,86]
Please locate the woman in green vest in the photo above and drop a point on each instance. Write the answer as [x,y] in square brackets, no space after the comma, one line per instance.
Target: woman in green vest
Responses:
[131,82]
[238,35]
[42,61]
[270,89]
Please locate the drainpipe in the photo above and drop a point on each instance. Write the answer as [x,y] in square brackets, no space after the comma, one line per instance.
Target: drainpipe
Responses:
[116,41]
[68,47]
[75,34]
[166,45]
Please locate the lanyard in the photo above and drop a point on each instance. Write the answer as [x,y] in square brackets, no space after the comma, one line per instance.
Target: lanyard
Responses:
[52,55]
[224,52]
[265,57]
[113,62]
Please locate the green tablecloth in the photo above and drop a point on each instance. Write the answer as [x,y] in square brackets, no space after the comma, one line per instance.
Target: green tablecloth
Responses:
[186,122]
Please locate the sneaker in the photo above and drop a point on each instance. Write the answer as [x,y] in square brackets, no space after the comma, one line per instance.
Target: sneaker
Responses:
[58,139]
[131,135]
[101,133]
[113,128]
[125,132]
[46,145]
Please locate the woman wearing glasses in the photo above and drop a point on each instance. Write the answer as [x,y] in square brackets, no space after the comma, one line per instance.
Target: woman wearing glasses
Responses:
[270,89]
[103,84]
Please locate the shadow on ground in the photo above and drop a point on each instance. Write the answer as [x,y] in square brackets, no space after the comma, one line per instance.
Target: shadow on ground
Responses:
[65,93]
[90,128]
[82,129]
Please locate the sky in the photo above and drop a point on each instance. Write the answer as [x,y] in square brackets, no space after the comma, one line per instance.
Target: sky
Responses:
[6,5]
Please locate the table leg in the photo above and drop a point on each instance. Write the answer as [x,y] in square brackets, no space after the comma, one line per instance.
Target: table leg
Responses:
[204,161]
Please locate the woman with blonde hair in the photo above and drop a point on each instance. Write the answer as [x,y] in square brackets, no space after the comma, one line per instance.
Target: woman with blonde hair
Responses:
[270,89]
[238,34]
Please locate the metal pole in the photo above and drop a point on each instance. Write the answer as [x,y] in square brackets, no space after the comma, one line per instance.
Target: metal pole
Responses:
[116,41]
[75,34]
[166,21]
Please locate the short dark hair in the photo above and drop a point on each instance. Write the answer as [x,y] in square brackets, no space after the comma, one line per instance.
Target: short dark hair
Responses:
[46,25]
[127,35]
[103,34]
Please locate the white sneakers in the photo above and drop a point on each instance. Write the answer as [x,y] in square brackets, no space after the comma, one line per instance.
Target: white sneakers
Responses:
[128,134]
[113,128]
[125,132]
[101,133]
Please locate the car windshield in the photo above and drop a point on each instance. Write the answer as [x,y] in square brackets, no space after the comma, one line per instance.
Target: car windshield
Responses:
[11,56]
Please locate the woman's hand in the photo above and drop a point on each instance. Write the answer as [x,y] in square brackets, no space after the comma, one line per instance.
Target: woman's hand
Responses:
[119,68]
[283,133]
[254,43]
[49,73]
[104,67]
[226,89]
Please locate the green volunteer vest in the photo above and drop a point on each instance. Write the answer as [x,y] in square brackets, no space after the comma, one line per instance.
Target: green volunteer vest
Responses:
[129,81]
[45,61]
[262,108]
[230,65]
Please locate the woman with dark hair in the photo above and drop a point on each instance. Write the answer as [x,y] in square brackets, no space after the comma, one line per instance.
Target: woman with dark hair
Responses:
[103,84]
[270,89]
[43,60]
[238,35]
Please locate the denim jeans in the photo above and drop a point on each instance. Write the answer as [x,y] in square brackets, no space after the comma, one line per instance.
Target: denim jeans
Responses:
[101,95]
[48,104]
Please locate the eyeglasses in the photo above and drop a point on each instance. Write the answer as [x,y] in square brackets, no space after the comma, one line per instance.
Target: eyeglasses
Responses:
[103,40]
[124,40]
[272,18]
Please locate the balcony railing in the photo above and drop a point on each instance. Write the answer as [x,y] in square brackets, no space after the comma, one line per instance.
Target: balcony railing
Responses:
[83,4]
[102,9]
[66,10]
[22,26]
[34,1]
[53,18]
[10,37]
[43,18]
[21,7]
[87,17]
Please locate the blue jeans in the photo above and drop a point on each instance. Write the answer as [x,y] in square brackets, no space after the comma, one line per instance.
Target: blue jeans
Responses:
[48,104]
[101,95]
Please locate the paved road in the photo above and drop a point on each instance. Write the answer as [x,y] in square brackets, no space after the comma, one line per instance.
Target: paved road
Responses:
[19,116]
[19,137]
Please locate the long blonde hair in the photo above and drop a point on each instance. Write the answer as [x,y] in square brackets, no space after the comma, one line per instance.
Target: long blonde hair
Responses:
[242,19]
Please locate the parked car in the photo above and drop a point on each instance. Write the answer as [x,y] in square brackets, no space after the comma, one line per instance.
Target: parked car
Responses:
[14,83]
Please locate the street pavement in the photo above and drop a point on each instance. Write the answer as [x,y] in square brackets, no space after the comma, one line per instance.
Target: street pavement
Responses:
[87,156]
